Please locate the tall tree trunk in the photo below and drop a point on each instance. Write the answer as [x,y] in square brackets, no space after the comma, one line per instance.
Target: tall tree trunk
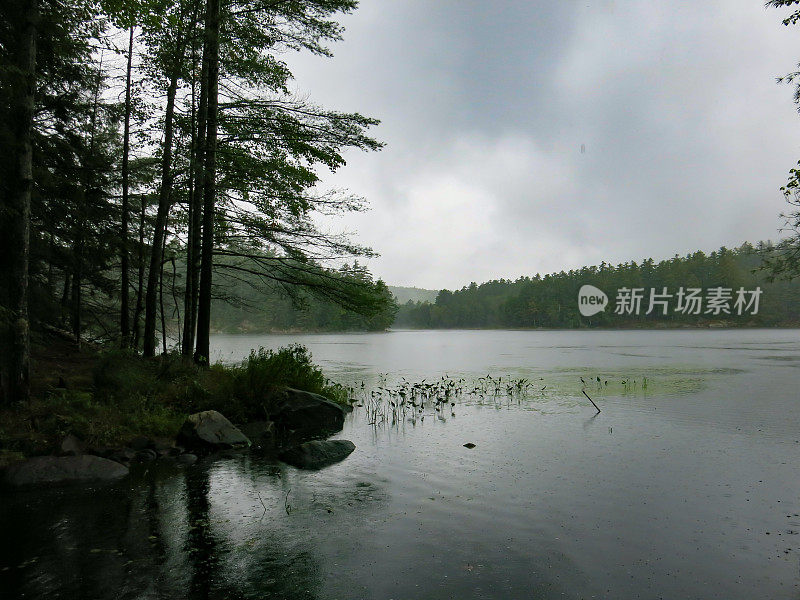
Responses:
[137,313]
[65,295]
[17,380]
[187,295]
[77,274]
[80,221]
[164,201]
[51,288]
[161,299]
[209,186]
[196,212]
[177,310]
[124,323]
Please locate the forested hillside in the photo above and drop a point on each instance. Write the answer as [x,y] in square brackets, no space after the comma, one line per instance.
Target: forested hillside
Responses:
[552,300]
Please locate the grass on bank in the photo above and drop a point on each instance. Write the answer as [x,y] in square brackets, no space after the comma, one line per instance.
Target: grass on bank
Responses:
[106,398]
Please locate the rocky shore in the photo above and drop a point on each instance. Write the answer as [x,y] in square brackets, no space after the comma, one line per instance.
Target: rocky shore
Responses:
[293,433]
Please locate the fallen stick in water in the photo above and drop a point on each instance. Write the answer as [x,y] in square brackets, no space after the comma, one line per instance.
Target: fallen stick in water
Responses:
[590,400]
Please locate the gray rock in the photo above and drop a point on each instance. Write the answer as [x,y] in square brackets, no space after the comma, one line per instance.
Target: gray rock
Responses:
[187,459]
[72,446]
[305,414]
[318,453]
[260,433]
[62,469]
[210,430]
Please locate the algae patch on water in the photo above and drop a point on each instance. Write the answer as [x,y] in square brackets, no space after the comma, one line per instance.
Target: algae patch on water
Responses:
[392,398]
[668,381]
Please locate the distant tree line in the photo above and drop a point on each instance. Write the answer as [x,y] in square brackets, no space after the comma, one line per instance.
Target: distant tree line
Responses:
[151,153]
[552,300]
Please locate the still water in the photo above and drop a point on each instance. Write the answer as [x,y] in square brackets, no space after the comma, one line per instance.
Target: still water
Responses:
[686,486]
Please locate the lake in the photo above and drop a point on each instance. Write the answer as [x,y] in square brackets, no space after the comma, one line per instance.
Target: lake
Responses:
[686,485]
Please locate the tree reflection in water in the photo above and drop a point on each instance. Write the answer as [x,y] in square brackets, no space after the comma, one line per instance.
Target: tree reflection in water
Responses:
[163,533]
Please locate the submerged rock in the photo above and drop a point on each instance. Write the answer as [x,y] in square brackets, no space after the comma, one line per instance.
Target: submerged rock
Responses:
[318,453]
[306,415]
[187,459]
[62,469]
[210,430]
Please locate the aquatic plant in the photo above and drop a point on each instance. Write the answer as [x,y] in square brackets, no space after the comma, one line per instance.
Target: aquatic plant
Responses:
[407,401]
[386,401]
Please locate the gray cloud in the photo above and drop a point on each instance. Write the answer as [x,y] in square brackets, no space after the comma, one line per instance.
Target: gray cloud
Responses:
[485,107]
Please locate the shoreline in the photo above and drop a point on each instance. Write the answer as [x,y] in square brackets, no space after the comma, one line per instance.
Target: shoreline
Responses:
[606,329]
[105,398]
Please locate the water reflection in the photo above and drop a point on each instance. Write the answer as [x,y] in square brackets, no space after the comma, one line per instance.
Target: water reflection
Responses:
[166,533]
[201,547]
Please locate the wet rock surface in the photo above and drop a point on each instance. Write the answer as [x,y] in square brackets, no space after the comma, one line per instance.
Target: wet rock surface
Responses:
[317,454]
[62,469]
[210,430]
[304,415]
[187,459]
[300,416]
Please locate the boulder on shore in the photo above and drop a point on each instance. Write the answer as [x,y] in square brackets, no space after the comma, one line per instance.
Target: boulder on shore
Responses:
[210,430]
[317,454]
[306,415]
[62,469]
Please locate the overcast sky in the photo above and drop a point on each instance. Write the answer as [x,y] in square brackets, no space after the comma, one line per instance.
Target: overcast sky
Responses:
[486,106]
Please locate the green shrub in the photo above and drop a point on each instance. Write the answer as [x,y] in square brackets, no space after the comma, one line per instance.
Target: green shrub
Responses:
[246,391]
[288,367]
